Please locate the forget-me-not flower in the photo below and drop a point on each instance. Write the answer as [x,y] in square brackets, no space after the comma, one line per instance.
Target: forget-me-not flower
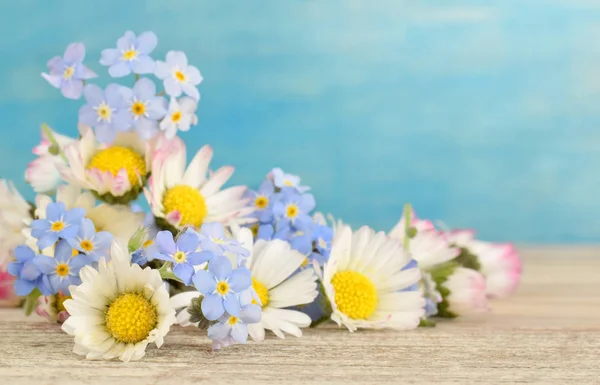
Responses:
[293,209]
[131,55]
[263,200]
[68,72]
[212,238]
[63,269]
[220,285]
[182,253]
[28,275]
[283,180]
[92,243]
[144,107]
[322,236]
[180,116]
[59,223]
[178,77]
[105,111]
[235,329]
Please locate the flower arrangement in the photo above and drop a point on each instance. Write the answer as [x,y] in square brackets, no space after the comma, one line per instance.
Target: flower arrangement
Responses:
[231,262]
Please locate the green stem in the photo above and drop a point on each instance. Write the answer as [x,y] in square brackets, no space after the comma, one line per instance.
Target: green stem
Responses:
[162,93]
[166,273]
[407,224]
[31,301]
[50,135]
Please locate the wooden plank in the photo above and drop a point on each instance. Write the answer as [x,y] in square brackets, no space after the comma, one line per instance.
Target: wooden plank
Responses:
[548,333]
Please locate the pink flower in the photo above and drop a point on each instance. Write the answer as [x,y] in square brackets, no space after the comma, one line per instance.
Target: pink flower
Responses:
[52,308]
[467,292]
[501,265]
[8,298]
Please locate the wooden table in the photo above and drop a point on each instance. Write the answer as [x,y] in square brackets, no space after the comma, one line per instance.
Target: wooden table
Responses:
[548,333]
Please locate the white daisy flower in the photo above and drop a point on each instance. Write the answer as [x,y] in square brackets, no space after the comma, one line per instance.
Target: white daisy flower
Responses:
[115,173]
[42,173]
[467,289]
[182,197]
[180,116]
[118,310]
[428,247]
[14,214]
[367,283]
[278,285]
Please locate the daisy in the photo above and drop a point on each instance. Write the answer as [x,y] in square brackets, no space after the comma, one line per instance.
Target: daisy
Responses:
[465,293]
[14,212]
[180,197]
[114,173]
[368,284]
[118,310]
[278,285]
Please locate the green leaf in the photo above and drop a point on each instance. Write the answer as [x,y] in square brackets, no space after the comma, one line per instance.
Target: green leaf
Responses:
[31,301]
[427,323]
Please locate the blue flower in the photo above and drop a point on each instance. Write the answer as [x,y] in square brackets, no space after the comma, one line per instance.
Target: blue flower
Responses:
[235,329]
[68,72]
[182,253]
[293,209]
[92,243]
[105,111]
[283,180]
[301,240]
[131,55]
[63,269]
[322,236]
[28,275]
[263,201]
[178,77]
[144,107]
[212,238]
[59,223]
[219,285]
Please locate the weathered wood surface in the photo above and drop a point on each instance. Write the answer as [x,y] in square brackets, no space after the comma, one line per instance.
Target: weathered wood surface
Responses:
[548,333]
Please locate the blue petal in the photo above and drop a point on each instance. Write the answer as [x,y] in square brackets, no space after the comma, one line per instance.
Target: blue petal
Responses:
[24,253]
[93,94]
[126,41]
[75,53]
[232,305]
[43,283]
[188,242]
[103,239]
[213,230]
[87,230]
[165,242]
[105,133]
[54,211]
[63,251]
[30,271]
[240,333]
[87,115]
[200,258]
[251,314]
[144,65]
[69,232]
[204,282]
[146,42]
[79,261]
[212,307]
[72,89]
[74,216]
[265,232]
[109,56]
[172,87]
[14,268]
[114,95]
[47,240]
[220,267]
[219,331]
[23,287]
[241,279]
[184,272]
[40,224]
[411,264]
[45,264]
[144,89]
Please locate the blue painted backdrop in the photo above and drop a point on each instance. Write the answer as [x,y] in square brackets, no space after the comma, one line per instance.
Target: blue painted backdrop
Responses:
[482,114]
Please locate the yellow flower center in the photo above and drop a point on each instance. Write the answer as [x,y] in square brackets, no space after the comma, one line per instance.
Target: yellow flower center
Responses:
[138,108]
[86,245]
[60,302]
[57,226]
[148,243]
[62,270]
[115,158]
[261,202]
[189,202]
[355,294]
[69,72]
[176,117]
[288,183]
[222,287]
[104,112]
[179,257]
[292,211]
[180,76]
[232,320]
[262,291]
[129,55]
[74,252]
[130,318]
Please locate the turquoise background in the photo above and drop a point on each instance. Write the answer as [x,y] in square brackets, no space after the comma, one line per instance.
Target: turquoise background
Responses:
[482,114]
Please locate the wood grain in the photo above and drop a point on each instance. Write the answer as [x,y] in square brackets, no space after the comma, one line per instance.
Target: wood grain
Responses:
[548,333]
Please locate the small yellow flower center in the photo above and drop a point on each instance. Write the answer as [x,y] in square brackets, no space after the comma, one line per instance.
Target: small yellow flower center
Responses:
[69,72]
[254,229]
[222,287]
[261,202]
[116,158]
[148,243]
[292,211]
[104,112]
[74,252]
[355,294]
[86,245]
[62,270]
[179,257]
[189,202]
[305,262]
[262,291]
[130,318]
[129,55]
[57,226]
[180,76]
[322,243]
[233,320]
[288,183]
[60,302]
[176,117]
[138,108]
